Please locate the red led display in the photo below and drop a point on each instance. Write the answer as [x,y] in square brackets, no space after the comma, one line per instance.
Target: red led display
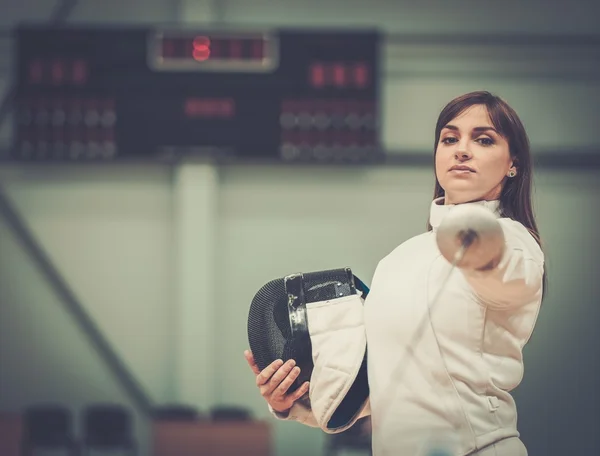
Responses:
[57,71]
[202,48]
[209,108]
[340,75]
[253,52]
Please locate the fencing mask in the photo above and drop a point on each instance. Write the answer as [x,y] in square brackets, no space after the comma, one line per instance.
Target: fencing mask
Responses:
[316,319]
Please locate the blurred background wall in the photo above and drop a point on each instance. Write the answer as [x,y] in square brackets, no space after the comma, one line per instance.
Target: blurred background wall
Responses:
[166,258]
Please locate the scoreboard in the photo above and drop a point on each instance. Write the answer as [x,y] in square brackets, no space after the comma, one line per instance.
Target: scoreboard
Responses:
[111,93]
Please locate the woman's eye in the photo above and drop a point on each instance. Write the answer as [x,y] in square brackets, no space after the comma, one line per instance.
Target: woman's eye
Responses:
[485,141]
[449,140]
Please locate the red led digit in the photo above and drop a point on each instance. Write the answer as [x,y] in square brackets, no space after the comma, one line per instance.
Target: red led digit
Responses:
[201,50]
[361,75]
[36,71]
[339,75]
[257,49]
[226,108]
[235,49]
[168,48]
[57,72]
[79,75]
[317,75]
[216,48]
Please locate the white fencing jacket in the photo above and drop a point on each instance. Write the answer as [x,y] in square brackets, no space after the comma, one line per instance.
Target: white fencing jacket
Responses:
[451,386]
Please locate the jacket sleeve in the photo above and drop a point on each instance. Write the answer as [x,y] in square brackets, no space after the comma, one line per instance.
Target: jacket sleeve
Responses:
[298,413]
[304,415]
[518,277]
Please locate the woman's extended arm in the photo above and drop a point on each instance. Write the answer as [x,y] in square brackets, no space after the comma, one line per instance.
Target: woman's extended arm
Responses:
[517,278]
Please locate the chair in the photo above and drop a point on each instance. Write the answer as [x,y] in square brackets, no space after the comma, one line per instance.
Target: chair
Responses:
[48,427]
[230,414]
[107,427]
[175,412]
[357,437]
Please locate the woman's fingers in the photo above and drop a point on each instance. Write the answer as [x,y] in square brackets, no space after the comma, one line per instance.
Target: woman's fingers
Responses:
[277,378]
[282,373]
[250,358]
[300,392]
[264,376]
[285,383]
[267,389]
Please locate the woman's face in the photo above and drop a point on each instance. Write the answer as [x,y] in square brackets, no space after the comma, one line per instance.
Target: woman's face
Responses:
[472,160]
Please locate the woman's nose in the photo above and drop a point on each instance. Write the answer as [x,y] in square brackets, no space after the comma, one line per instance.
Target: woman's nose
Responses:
[462,152]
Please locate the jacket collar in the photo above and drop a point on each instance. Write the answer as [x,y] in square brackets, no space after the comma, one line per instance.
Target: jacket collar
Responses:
[439,210]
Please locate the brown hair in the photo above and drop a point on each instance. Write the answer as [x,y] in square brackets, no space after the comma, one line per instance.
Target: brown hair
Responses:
[515,198]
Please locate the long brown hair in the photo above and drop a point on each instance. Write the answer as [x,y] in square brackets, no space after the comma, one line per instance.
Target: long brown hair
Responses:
[515,198]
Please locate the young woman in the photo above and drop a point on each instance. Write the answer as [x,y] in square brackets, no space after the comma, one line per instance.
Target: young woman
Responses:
[451,387]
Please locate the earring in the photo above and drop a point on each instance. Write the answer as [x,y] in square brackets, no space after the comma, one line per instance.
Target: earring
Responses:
[512,173]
